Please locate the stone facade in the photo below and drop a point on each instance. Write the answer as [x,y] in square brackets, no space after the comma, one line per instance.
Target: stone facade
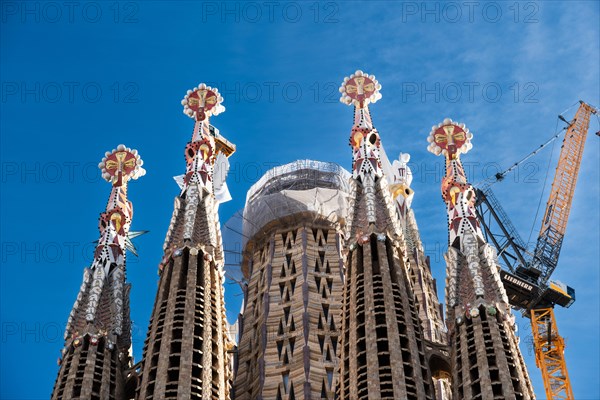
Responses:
[430,310]
[399,177]
[383,350]
[289,341]
[290,337]
[185,350]
[486,360]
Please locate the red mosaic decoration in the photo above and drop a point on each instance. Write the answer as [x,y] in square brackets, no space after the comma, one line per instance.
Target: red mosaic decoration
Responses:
[199,158]
[203,147]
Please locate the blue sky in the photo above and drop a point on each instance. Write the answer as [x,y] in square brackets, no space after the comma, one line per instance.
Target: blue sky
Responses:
[77,80]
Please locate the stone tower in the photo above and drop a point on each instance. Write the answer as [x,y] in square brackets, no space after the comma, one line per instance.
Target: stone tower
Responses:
[98,334]
[422,282]
[485,359]
[289,344]
[185,352]
[382,346]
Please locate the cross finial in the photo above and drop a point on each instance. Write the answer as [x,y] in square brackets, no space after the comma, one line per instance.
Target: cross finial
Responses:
[360,89]
[120,165]
[450,139]
[202,102]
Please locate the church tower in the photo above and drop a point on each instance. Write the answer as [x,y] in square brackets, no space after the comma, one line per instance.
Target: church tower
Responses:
[98,334]
[485,358]
[293,219]
[185,352]
[382,346]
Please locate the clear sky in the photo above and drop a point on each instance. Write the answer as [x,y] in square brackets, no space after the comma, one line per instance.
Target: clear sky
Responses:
[79,78]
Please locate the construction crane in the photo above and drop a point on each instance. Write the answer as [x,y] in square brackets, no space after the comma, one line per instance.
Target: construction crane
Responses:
[527,279]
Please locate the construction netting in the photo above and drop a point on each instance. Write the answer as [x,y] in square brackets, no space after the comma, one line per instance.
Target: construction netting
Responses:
[303,185]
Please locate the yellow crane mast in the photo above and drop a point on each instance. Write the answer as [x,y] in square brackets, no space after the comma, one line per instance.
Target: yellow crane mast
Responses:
[549,354]
[548,344]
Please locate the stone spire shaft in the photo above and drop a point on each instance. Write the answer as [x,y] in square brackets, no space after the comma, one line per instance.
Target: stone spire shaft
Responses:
[98,333]
[486,361]
[185,353]
[382,349]
[422,282]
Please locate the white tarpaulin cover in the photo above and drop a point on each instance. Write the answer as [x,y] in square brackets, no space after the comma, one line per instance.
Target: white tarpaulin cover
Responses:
[301,186]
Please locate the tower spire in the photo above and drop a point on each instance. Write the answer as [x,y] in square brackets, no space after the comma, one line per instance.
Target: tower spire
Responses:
[400,182]
[199,104]
[382,348]
[185,353]
[360,90]
[453,139]
[422,282]
[485,358]
[97,336]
